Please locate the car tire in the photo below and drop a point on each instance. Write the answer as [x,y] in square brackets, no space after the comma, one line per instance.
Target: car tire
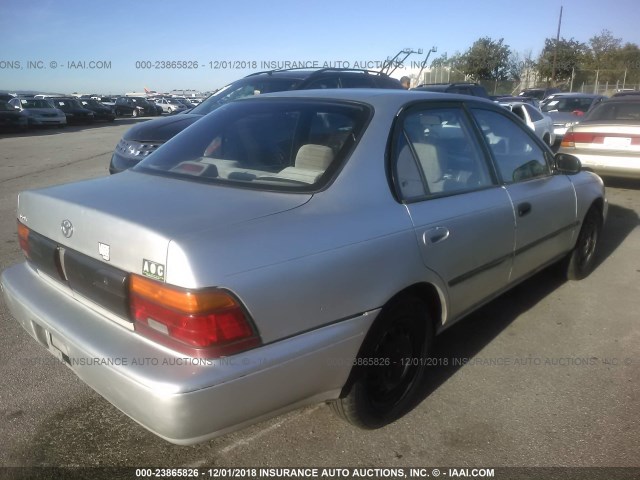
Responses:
[376,395]
[547,139]
[581,260]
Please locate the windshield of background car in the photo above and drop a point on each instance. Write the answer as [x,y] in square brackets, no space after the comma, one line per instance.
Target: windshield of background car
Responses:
[244,88]
[31,103]
[616,112]
[275,144]
[66,103]
[564,104]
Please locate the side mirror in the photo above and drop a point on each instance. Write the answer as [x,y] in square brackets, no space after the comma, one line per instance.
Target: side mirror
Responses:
[567,164]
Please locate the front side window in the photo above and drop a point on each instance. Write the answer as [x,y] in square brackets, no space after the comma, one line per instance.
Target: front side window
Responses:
[517,155]
[436,153]
[272,144]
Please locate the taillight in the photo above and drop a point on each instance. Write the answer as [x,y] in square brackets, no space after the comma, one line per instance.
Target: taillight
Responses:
[571,138]
[207,323]
[567,140]
[23,238]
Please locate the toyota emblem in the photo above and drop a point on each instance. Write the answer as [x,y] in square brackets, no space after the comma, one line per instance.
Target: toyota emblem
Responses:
[67,228]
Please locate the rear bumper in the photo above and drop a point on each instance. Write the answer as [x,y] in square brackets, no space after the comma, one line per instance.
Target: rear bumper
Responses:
[181,399]
[608,165]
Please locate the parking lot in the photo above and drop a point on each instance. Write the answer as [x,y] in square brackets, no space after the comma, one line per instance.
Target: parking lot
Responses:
[546,375]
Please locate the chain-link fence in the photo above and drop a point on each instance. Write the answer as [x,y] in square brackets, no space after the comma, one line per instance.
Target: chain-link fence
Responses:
[603,82]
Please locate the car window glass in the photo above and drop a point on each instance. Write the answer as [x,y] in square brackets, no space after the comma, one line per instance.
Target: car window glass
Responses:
[616,111]
[246,87]
[269,144]
[519,112]
[327,82]
[517,155]
[533,113]
[356,81]
[437,147]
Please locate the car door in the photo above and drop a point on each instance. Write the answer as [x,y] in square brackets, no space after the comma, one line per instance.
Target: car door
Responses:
[544,204]
[463,219]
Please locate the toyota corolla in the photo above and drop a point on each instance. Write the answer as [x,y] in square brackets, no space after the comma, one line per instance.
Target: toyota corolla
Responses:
[295,248]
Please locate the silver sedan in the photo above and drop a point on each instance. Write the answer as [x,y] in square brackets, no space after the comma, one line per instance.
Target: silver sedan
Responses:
[39,111]
[295,248]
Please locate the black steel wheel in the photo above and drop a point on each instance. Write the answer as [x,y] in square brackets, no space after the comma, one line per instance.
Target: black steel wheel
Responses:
[581,260]
[389,367]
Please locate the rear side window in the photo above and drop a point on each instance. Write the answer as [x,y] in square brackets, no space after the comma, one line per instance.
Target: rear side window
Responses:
[326,82]
[356,81]
[516,153]
[272,144]
[436,153]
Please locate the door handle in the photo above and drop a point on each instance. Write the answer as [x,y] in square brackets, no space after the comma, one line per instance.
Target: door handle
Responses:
[435,235]
[524,209]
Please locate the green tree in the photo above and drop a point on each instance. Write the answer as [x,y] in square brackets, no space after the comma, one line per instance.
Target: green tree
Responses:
[628,61]
[603,56]
[487,59]
[603,49]
[571,55]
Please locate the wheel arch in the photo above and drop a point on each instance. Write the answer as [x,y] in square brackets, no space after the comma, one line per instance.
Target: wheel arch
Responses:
[431,296]
[427,292]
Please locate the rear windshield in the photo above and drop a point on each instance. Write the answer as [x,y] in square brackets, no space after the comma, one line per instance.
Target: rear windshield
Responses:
[568,104]
[616,111]
[273,144]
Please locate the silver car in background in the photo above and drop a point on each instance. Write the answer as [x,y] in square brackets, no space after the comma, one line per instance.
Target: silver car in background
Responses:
[568,109]
[39,111]
[295,248]
[607,140]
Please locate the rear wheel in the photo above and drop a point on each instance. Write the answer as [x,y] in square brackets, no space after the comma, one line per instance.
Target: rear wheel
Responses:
[389,367]
[581,260]
[134,113]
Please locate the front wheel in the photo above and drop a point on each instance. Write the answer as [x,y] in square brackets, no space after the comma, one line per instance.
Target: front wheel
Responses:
[581,260]
[390,366]
[134,113]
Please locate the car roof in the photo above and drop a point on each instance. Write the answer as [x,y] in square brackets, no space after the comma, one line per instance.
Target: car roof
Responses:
[623,99]
[304,73]
[374,96]
[509,102]
[577,95]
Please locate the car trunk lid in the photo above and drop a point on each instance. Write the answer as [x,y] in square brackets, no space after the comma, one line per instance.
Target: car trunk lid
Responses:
[91,235]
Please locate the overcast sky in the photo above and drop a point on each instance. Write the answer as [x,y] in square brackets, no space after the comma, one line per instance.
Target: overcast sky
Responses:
[50,45]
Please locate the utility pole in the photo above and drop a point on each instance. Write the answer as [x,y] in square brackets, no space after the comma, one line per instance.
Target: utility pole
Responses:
[555,52]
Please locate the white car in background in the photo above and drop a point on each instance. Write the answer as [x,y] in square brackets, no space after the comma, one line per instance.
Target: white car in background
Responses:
[539,122]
